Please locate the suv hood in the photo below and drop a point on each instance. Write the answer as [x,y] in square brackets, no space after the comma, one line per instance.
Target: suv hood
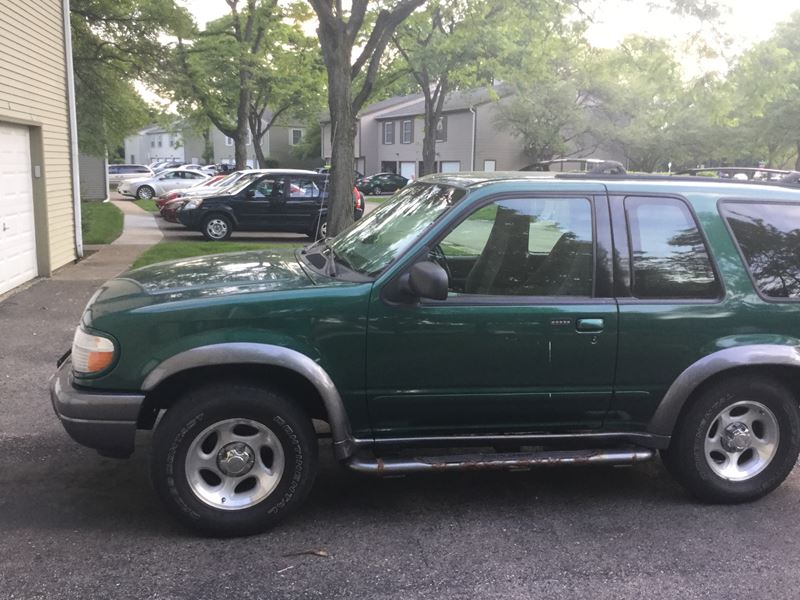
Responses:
[204,277]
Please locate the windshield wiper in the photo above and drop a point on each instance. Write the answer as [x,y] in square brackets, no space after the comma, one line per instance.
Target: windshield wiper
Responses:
[330,258]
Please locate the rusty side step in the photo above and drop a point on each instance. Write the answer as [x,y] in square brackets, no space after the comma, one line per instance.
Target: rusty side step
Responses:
[469,462]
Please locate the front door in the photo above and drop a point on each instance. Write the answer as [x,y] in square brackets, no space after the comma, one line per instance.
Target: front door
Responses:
[524,342]
[261,205]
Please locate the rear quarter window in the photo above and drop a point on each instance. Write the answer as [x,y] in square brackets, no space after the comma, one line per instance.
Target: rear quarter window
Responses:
[768,237]
[669,257]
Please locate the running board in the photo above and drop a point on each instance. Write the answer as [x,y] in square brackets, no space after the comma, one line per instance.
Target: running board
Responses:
[515,460]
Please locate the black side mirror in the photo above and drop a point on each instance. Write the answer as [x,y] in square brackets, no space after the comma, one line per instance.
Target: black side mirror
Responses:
[250,194]
[428,280]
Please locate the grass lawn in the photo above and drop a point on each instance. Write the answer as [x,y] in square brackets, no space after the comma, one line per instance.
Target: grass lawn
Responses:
[148,205]
[176,250]
[101,222]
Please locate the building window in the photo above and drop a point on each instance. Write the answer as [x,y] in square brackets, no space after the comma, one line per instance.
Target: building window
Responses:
[388,132]
[152,142]
[228,141]
[441,130]
[407,132]
[160,141]
[296,136]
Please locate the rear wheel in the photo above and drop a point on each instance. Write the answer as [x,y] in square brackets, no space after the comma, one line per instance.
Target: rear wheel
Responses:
[217,228]
[233,459]
[320,231]
[738,441]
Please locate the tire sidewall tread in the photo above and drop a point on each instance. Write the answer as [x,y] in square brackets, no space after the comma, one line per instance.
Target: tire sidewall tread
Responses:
[206,405]
[685,458]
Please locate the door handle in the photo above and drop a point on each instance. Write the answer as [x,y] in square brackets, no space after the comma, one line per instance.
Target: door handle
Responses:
[5,227]
[589,325]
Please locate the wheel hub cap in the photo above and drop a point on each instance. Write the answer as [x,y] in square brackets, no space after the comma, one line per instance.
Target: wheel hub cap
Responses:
[736,437]
[235,459]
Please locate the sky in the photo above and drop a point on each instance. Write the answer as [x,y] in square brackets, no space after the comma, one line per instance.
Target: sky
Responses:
[746,22]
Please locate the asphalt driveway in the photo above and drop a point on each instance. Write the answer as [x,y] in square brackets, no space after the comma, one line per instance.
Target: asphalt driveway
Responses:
[75,525]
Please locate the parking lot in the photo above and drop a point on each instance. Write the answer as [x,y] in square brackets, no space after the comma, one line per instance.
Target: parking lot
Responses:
[76,525]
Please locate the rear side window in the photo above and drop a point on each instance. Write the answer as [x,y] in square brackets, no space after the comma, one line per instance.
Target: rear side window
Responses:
[768,236]
[669,259]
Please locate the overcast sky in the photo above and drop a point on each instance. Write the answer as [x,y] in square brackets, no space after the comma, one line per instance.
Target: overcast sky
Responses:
[746,22]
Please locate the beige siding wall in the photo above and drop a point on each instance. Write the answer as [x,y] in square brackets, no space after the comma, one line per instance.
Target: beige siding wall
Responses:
[494,143]
[33,91]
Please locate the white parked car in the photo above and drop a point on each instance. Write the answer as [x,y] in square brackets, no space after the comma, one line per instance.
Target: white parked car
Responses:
[166,181]
[119,173]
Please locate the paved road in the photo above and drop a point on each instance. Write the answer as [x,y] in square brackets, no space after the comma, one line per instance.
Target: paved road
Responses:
[75,525]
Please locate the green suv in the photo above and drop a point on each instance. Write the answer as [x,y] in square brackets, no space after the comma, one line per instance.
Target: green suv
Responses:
[523,319]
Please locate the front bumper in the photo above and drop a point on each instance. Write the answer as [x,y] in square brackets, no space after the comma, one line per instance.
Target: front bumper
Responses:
[190,218]
[101,420]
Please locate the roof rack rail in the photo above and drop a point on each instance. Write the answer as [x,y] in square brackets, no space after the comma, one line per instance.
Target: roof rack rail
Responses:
[684,178]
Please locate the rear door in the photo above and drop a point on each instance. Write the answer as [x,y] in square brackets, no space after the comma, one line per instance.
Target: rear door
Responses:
[303,202]
[670,296]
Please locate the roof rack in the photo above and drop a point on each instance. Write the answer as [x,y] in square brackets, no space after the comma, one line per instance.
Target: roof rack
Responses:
[683,178]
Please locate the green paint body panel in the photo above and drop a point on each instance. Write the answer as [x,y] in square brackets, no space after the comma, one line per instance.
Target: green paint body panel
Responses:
[447,368]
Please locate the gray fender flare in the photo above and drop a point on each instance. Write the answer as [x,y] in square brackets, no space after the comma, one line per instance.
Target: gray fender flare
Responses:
[666,415]
[265,354]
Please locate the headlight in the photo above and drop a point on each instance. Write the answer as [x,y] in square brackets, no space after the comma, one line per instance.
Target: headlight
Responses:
[91,353]
[192,204]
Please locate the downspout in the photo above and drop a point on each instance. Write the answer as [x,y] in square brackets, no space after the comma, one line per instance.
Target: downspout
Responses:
[474,134]
[73,130]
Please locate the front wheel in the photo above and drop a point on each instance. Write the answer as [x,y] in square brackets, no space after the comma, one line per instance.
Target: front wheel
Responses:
[233,459]
[217,228]
[738,441]
[145,192]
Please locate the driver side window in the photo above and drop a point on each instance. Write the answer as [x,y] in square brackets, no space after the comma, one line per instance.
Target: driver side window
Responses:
[269,188]
[522,247]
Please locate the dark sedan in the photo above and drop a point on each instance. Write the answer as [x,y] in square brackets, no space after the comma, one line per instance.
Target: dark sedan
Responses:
[381,183]
[281,200]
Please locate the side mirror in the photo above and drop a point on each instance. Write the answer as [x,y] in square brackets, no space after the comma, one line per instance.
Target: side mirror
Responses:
[428,280]
[250,194]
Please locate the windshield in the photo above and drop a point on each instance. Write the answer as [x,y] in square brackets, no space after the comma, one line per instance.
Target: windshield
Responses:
[372,243]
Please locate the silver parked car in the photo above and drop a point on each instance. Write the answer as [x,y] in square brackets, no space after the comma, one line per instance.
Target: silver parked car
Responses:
[166,181]
[119,173]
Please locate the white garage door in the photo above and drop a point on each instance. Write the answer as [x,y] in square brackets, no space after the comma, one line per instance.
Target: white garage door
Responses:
[17,233]
[408,170]
[451,166]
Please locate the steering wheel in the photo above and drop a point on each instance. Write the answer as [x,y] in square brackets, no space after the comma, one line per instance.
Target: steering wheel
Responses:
[438,256]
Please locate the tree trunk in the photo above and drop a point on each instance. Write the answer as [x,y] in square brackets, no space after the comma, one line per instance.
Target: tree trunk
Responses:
[208,147]
[343,123]
[262,160]
[429,144]
[797,160]
[242,121]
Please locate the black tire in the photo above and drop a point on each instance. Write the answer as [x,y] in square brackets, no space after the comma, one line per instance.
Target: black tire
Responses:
[200,410]
[686,456]
[149,193]
[320,230]
[217,227]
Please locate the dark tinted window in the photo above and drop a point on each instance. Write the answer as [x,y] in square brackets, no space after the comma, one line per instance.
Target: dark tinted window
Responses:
[522,247]
[769,238]
[668,256]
